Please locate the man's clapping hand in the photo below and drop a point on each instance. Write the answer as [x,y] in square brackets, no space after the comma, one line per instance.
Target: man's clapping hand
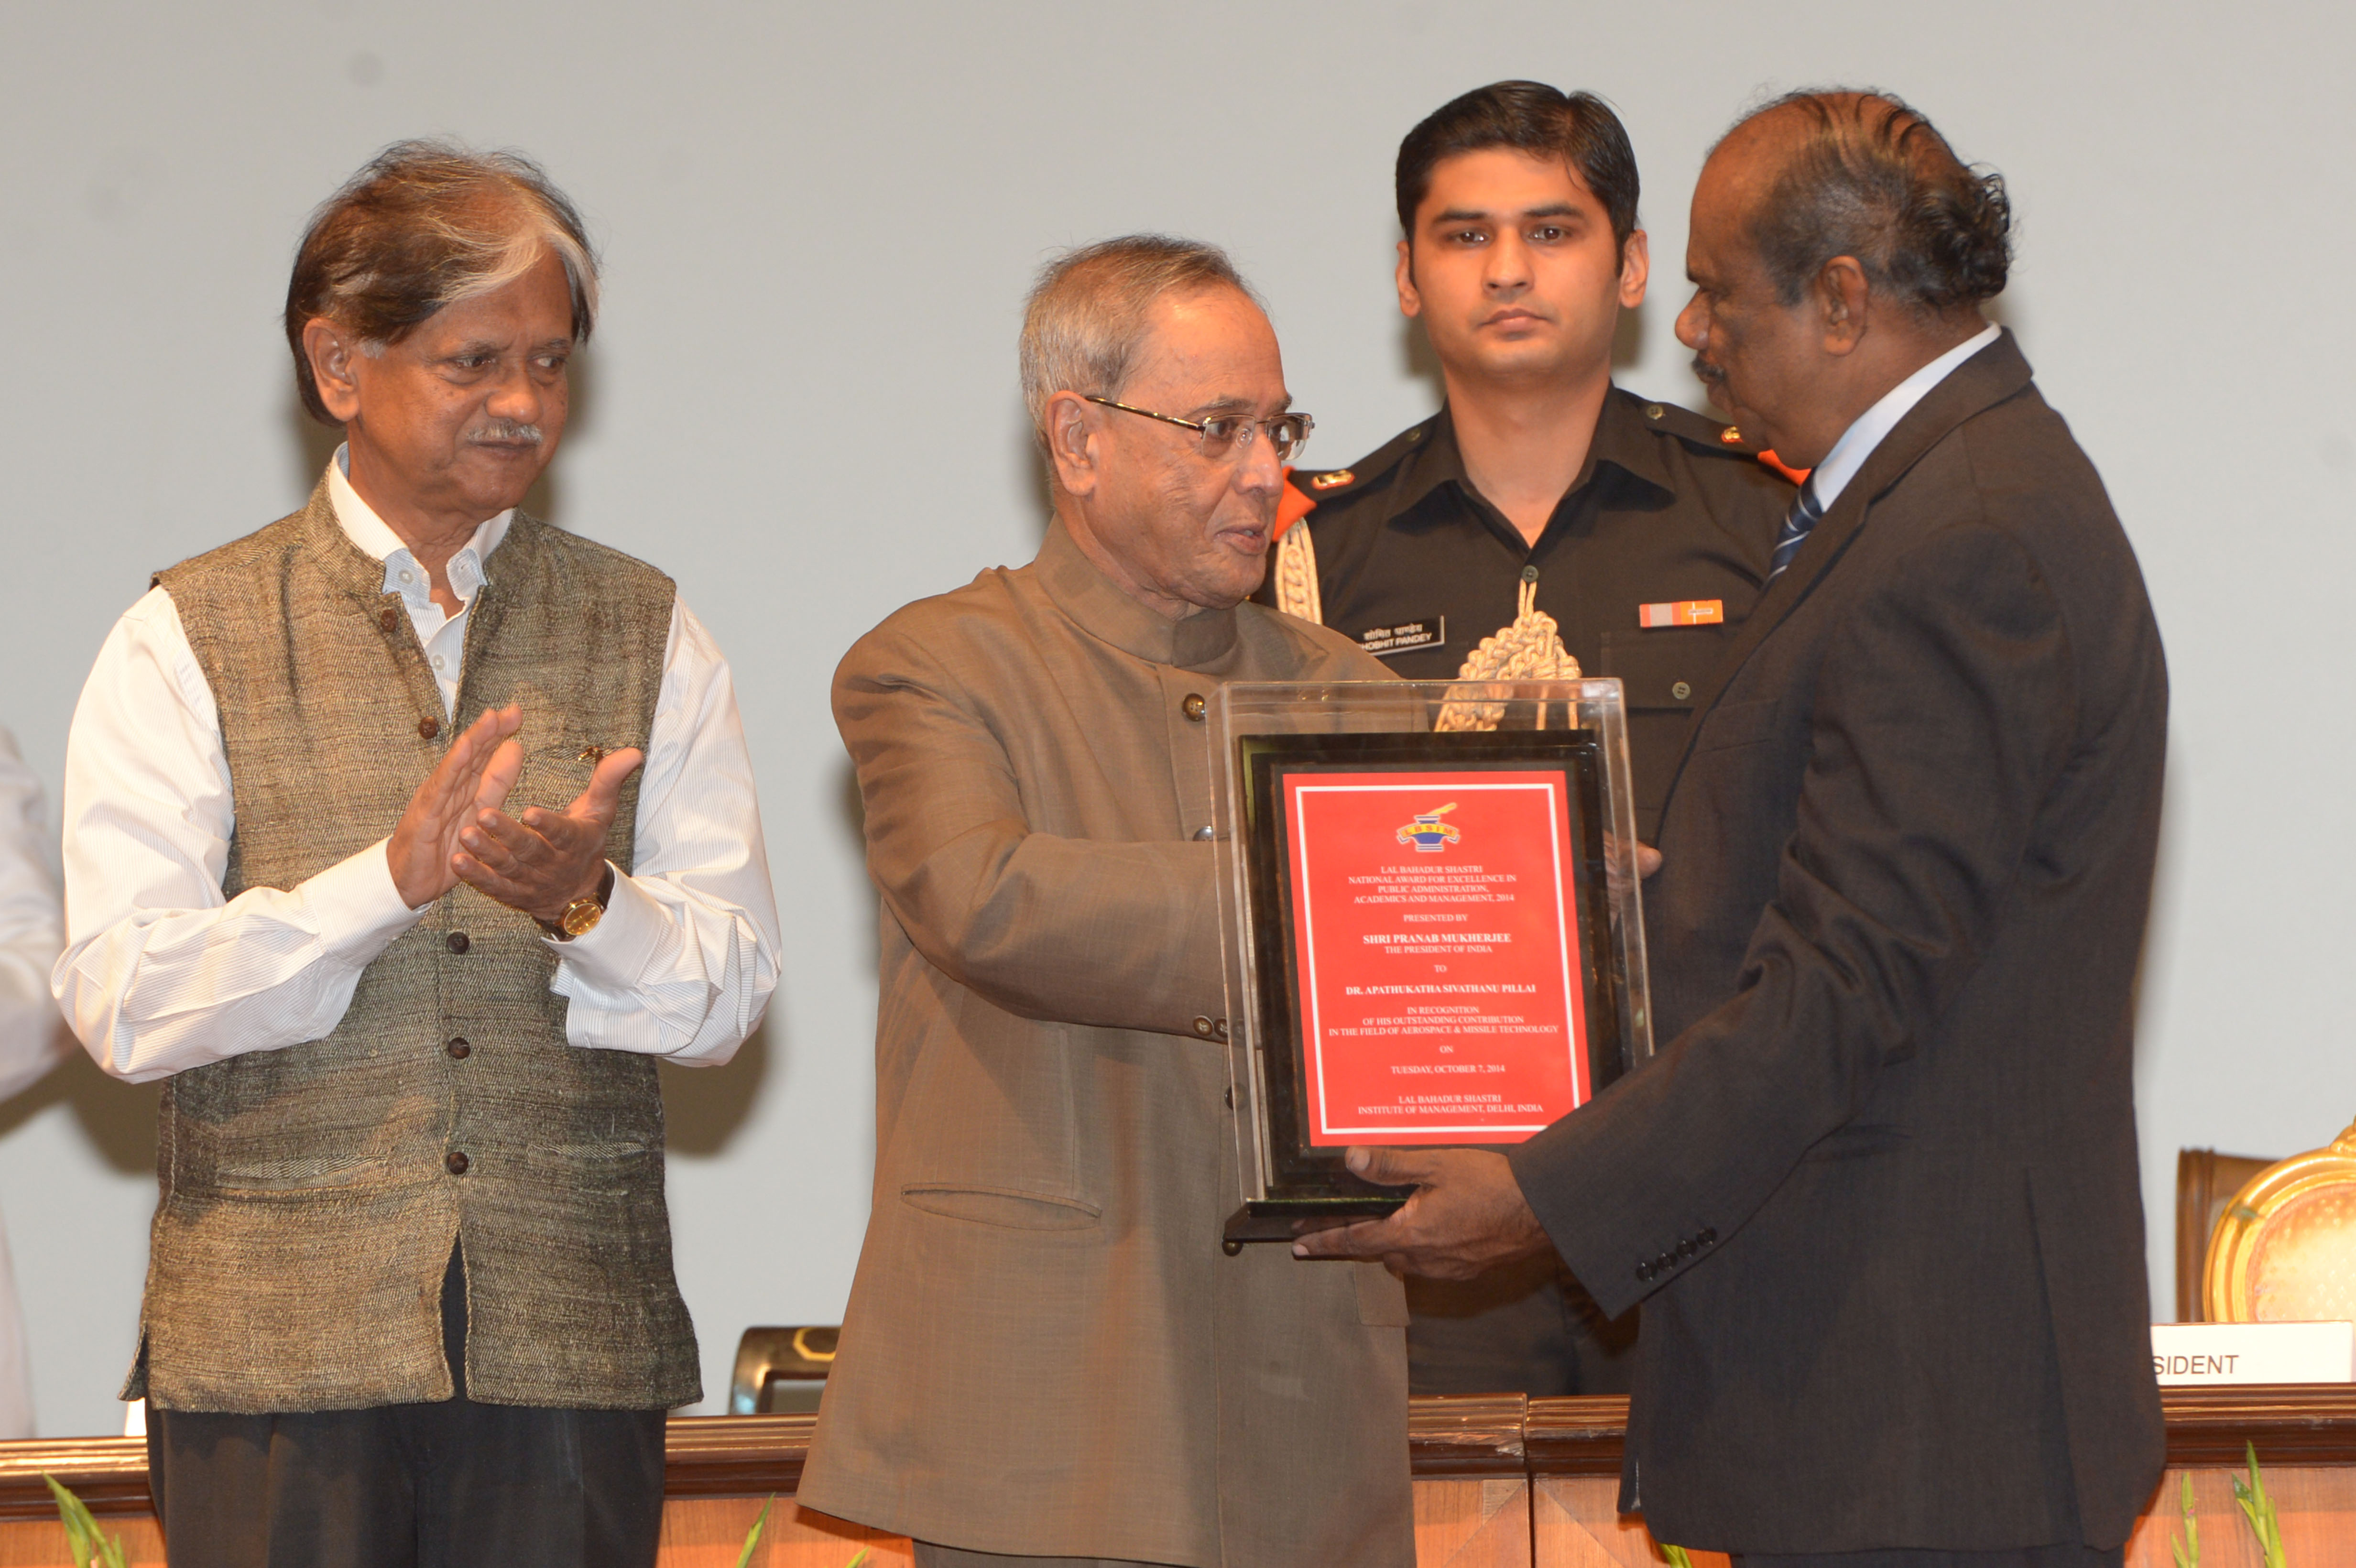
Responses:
[548,859]
[473,776]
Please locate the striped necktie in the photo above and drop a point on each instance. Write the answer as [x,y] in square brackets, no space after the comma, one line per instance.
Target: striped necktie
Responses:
[1805,514]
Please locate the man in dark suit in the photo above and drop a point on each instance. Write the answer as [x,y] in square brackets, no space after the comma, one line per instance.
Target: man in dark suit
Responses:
[1877,1194]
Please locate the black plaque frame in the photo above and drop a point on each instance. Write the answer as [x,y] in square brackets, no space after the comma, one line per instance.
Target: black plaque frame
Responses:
[1308,1187]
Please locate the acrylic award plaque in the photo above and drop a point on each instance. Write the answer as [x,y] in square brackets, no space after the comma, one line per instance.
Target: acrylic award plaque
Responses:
[1431,923]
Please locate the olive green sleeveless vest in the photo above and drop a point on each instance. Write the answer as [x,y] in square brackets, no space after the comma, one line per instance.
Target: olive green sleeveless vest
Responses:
[311,1195]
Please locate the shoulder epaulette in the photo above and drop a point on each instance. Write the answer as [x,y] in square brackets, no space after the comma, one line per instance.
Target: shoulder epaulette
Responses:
[1703,433]
[1318,484]
[1698,430]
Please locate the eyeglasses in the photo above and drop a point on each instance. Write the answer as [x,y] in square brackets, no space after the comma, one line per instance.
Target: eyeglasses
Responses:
[1222,434]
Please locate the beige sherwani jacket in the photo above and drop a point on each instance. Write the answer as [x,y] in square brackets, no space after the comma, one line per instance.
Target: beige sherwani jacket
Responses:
[1046,1351]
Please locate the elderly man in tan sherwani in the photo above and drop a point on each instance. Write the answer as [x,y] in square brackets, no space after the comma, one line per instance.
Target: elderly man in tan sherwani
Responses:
[1048,1356]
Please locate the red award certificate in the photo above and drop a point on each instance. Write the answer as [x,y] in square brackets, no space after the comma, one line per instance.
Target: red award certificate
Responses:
[1440,985]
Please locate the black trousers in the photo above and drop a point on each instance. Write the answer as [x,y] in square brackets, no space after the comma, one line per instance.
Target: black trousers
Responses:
[410,1486]
[2067,1556]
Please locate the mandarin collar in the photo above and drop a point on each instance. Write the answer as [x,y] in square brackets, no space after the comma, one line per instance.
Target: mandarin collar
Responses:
[1621,440]
[1105,611]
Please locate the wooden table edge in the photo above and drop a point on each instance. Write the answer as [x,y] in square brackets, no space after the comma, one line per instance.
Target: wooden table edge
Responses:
[2292,1424]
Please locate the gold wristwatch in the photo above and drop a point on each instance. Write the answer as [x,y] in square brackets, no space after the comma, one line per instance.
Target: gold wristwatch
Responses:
[582,915]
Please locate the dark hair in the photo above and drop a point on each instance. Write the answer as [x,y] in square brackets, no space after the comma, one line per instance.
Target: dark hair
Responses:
[1873,179]
[1529,117]
[422,226]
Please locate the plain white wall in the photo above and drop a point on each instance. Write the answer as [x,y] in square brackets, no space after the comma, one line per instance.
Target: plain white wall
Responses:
[819,221]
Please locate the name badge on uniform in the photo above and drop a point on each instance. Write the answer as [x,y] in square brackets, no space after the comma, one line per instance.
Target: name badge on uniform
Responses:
[1684,612]
[1429,632]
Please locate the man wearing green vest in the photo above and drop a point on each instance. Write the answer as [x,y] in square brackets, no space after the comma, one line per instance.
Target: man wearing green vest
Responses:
[402,836]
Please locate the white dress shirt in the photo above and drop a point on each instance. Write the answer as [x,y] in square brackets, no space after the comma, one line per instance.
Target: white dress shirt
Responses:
[31,929]
[31,1033]
[443,637]
[1856,442]
[161,973]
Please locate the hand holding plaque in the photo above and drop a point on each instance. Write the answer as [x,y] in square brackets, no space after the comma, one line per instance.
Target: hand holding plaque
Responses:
[1465,1215]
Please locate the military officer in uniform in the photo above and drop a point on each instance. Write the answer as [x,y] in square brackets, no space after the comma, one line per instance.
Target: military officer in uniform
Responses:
[1544,523]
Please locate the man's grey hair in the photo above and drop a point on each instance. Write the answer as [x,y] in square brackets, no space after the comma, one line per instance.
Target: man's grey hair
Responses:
[425,225]
[1087,315]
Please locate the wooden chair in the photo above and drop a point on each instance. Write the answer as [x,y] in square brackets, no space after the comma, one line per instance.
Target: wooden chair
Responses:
[2205,1182]
[782,1371]
[2285,1248]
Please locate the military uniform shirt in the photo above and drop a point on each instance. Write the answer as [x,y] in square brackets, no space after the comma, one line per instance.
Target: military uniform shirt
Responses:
[1417,567]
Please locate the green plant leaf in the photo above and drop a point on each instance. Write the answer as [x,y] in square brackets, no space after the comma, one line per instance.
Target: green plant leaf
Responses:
[2259,1510]
[91,1548]
[753,1536]
[2186,1549]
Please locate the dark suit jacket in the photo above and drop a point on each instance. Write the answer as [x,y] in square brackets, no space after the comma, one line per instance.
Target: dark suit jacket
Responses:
[1879,1192]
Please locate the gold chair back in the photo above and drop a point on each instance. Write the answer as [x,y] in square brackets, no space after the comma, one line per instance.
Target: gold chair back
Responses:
[2285,1248]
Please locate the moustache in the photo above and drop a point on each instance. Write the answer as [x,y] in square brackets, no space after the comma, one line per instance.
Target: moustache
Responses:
[1708,371]
[505,433]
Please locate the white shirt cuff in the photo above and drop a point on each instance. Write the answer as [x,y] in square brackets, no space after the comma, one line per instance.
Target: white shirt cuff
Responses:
[610,956]
[358,909]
